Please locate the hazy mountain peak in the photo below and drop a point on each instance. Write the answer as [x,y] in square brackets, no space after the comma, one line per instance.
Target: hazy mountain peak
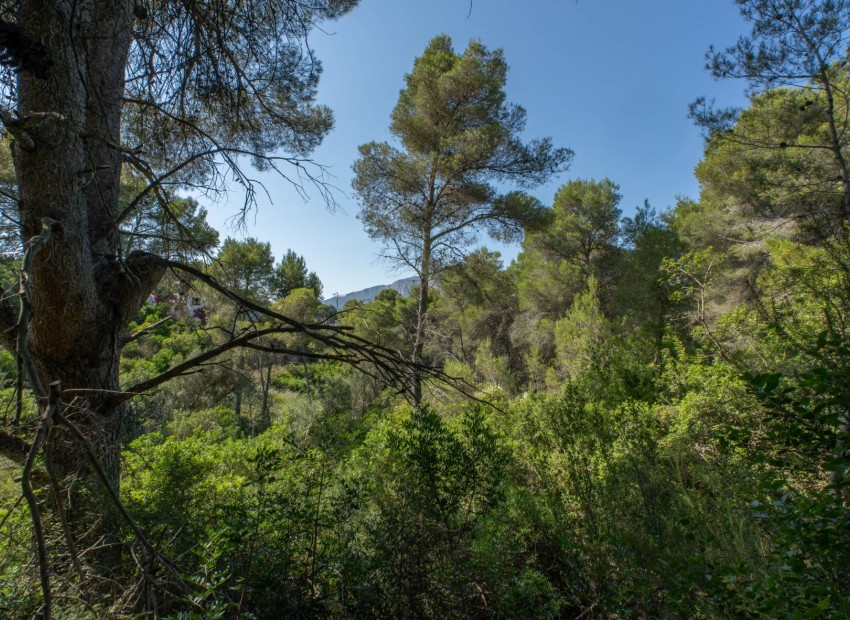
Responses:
[365,295]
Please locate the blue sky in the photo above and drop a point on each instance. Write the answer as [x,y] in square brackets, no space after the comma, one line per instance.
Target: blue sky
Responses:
[610,79]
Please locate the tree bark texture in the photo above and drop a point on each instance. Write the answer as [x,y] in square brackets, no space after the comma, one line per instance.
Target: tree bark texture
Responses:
[82,292]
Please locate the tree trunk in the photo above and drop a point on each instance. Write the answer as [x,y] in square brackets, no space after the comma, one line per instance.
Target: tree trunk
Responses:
[421,319]
[19,390]
[81,292]
[307,379]
[266,382]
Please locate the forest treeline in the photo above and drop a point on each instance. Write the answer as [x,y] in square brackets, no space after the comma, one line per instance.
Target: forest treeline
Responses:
[639,417]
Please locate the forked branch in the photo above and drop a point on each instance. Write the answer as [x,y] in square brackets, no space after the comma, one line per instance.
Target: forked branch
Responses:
[339,342]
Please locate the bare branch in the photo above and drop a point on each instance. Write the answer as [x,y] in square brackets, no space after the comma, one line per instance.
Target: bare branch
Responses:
[60,508]
[145,331]
[341,344]
[113,495]
[50,411]
[189,365]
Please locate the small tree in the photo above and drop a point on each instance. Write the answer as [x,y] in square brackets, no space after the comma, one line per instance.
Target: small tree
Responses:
[247,268]
[476,308]
[585,226]
[428,197]
[291,273]
[581,240]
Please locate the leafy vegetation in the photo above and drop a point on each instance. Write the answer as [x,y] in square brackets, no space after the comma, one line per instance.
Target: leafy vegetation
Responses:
[649,415]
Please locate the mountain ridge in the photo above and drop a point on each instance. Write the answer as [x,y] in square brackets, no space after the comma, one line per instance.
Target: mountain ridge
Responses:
[366,295]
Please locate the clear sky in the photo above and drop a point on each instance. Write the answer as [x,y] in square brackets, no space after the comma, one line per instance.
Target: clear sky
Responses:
[610,79]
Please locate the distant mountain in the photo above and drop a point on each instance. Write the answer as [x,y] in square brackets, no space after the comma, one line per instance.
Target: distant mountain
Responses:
[403,286]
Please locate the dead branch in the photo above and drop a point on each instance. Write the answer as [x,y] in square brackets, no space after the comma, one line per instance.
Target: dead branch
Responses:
[116,500]
[19,390]
[11,445]
[60,507]
[51,410]
[377,361]
[214,150]
[336,337]
[13,126]
[145,331]
[189,365]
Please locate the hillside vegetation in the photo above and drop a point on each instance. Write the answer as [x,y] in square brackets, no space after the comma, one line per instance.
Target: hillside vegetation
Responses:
[639,417]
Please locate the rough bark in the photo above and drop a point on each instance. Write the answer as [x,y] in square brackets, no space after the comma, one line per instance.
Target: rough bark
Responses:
[82,293]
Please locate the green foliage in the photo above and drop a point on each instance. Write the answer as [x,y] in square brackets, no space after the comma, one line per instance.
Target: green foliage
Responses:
[8,367]
[458,136]
[587,244]
[653,480]
[247,268]
[19,595]
[641,295]
[782,163]
[476,310]
[216,424]
[667,427]
[580,337]
[581,240]
[291,273]
[178,231]
[388,320]
[425,485]
[167,344]
[459,144]
[585,224]
[248,505]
